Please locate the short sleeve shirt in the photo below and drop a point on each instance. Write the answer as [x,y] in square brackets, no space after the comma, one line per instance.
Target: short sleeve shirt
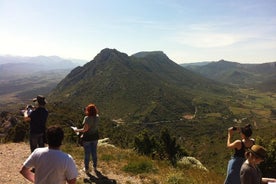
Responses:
[51,166]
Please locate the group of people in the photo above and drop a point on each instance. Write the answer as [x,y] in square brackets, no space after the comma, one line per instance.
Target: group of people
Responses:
[243,166]
[49,164]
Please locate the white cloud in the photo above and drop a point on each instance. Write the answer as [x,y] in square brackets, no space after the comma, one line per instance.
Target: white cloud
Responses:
[207,40]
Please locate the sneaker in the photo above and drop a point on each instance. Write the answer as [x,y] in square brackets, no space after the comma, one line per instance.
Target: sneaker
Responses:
[86,170]
[95,169]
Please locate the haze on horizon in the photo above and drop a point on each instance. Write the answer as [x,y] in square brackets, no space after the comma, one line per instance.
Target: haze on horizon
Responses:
[186,31]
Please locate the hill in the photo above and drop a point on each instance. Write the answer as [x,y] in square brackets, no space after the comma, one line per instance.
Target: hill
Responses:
[260,76]
[149,91]
[144,87]
[22,78]
[12,67]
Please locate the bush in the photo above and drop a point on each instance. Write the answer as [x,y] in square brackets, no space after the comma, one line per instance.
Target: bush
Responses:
[17,133]
[144,144]
[139,167]
[268,167]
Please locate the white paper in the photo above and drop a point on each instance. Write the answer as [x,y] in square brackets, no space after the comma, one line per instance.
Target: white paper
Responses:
[75,128]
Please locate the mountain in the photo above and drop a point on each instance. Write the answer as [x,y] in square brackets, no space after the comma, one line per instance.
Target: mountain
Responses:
[22,78]
[16,67]
[195,64]
[146,86]
[261,76]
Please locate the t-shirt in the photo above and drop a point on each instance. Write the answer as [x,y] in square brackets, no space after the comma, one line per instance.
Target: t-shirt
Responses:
[250,174]
[51,166]
[38,120]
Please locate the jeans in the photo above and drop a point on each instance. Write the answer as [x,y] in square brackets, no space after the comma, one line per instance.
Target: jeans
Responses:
[233,170]
[36,141]
[90,147]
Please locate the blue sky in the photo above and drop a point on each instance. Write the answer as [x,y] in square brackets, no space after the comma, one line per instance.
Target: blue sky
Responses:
[185,30]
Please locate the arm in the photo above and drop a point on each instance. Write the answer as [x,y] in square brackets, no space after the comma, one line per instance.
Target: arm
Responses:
[27,174]
[83,129]
[235,144]
[266,180]
[26,116]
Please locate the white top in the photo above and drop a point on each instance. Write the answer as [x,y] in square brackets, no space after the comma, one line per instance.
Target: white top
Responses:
[51,166]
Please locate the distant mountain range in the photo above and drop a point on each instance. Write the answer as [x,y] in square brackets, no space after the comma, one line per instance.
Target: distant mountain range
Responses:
[261,76]
[22,78]
[12,67]
[146,86]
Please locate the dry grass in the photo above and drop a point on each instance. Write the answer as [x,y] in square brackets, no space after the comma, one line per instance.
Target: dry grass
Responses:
[126,167]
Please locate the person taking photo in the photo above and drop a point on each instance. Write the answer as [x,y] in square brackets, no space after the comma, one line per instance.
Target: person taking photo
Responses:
[239,146]
[37,118]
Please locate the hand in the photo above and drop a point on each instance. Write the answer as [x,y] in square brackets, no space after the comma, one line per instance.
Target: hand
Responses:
[230,131]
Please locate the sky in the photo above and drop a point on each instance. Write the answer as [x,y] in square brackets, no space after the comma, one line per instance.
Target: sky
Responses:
[186,31]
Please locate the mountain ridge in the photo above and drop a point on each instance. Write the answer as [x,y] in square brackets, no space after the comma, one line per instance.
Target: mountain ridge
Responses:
[144,87]
[260,76]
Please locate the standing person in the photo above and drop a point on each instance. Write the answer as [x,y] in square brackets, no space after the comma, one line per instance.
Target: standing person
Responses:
[250,173]
[90,136]
[37,118]
[240,146]
[50,163]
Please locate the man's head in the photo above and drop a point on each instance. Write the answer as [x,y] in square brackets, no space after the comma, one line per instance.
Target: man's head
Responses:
[55,136]
[40,100]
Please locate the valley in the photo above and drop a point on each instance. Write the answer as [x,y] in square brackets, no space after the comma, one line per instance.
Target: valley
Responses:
[148,91]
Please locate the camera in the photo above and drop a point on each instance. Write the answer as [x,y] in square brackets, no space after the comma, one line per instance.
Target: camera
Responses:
[27,111]
[234,128]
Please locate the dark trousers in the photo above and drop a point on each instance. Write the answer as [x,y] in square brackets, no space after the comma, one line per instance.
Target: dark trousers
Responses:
[36,141]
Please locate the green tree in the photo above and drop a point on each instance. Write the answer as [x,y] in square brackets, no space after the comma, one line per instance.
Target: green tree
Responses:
[268,167]
[144,144]
[170,147]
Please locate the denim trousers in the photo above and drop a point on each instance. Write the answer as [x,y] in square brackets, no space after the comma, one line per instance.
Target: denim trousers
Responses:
[90,148]
[233,170]
[36,141]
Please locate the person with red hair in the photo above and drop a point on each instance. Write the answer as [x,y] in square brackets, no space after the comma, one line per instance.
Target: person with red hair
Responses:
[90,136]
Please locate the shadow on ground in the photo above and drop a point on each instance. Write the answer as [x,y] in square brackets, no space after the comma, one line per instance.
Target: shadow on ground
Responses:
[98,179]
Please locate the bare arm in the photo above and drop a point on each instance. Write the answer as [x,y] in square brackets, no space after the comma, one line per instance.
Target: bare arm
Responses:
[26,117]
[83,129]
[234,144]
[266,180]
[27,174]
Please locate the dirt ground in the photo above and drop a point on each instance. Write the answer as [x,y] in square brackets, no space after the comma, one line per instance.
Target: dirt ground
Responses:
[12,155]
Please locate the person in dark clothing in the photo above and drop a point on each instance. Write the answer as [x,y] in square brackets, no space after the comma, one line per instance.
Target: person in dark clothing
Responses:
[240,147]
[37,118]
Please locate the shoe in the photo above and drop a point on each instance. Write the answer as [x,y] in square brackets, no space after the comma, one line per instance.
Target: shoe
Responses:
[95,169]
[86,170]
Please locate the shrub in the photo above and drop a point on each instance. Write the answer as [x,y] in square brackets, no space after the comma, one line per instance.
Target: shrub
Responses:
[139,167]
